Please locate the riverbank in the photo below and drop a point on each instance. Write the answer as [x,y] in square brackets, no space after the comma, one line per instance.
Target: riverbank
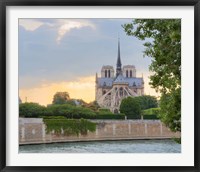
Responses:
[32,131]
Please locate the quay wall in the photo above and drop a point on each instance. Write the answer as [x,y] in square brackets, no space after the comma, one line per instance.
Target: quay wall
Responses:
[32,131]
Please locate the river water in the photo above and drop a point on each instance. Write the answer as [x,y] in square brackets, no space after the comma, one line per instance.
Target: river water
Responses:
[132,146]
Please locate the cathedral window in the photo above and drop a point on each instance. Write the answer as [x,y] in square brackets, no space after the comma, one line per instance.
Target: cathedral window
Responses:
[131,73]
[108,73]
[105,73]
[127,73]
[121,91]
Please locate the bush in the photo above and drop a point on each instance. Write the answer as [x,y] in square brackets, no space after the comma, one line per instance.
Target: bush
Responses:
[130,107]
[105,113]
[70,111]
[52,117]
[151,113]
[147,101]
[150,117]
[110,116]
[133,117]
[31,110]
[104,110]
[69,126]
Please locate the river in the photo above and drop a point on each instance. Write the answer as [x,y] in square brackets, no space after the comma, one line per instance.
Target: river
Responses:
[131,146]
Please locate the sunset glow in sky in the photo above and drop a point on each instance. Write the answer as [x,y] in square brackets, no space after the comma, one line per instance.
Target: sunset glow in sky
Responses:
[65,54]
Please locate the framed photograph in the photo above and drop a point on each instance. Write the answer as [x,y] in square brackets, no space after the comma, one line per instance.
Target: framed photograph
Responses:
[93,85]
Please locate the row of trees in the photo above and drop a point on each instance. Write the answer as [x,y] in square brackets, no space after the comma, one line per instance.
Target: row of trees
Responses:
[57,111]
[71,108]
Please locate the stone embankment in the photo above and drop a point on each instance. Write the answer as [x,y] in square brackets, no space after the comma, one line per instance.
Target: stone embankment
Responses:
[32,131]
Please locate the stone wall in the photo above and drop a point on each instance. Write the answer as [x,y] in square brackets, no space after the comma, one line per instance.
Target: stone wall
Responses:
[32,131]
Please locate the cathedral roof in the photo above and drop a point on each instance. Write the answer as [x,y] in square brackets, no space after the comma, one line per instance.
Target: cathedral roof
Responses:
[105,82]
[120,79]
[135,81]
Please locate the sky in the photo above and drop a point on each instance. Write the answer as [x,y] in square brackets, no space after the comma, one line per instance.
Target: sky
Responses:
[65,54]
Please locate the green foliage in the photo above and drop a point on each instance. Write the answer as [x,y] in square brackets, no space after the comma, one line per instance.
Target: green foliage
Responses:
[70,111]
[71,102]
[147,101]
[52,117]
[133,117]
[150,117]
[60,98]
[130,107]
[151,111]
[170,105]
[109,115]
[104,110]
[164,47]
[92,105]
[69,126]
[31,110]
[177,140]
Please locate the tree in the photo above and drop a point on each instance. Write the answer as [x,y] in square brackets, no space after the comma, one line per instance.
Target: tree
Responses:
[92,105]
[31,110]
[70,111]
[130,107]
[164,47]
[170,105]
[147,101]
[61,98]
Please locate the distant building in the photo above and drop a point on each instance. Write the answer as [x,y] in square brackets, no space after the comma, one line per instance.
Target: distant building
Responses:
[113,85]
[20,101]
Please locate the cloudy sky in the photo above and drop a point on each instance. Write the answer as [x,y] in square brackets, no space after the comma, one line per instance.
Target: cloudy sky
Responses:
[64,55]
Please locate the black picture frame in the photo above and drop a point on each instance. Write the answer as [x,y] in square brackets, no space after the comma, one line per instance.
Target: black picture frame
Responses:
[6,3]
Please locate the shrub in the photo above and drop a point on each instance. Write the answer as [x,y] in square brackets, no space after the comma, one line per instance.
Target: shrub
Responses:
[104,110]
[133,117]
[69,126]
[130,107]
[150,117]
[151,113]
[31,110]
[105,113]
[110,116]
[147,101]
[52,117]
[70,111]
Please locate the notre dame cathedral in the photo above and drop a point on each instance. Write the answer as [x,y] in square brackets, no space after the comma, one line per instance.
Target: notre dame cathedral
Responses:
[113,86]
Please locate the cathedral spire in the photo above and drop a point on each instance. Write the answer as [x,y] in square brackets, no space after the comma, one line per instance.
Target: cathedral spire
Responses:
[119,64]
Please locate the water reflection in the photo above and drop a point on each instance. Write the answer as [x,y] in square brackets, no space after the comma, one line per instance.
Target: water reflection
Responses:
[133,146]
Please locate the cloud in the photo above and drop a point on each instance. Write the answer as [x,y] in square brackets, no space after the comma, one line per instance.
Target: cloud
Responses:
[67,25]
[62,26]
[30,24]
